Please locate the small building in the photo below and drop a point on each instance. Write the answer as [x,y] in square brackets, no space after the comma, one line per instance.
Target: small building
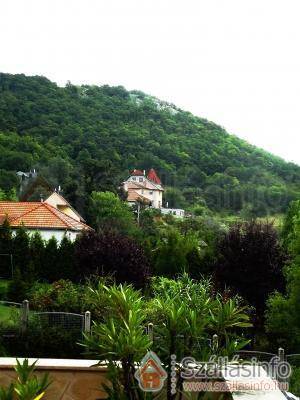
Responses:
[41,217]
[176,212]
[142,187]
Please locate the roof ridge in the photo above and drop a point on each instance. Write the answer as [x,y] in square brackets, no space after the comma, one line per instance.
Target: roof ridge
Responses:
[56,212]
[51,209]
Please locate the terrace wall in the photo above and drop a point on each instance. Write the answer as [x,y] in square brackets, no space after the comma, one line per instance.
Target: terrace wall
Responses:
[71,379]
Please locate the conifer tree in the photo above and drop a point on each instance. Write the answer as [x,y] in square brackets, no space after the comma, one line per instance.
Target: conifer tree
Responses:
[37,254]
[5,250]
[21,253]
[65,263]
[51,268]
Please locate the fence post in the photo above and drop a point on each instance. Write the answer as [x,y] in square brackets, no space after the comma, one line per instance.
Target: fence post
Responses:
[150,332]
[24,315]
[215,342]
[281,357]
[281,354]
[87,322]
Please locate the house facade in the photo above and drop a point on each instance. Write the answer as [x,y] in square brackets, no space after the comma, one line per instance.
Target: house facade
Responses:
[41,217]
[142,187]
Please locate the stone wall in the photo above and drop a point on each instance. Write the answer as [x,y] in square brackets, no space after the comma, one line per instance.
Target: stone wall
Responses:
[71,379]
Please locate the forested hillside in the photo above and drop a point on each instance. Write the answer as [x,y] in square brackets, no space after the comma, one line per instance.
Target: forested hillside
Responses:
[87,138]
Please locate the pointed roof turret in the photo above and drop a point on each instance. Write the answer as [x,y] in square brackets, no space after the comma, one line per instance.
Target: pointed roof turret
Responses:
[152,176]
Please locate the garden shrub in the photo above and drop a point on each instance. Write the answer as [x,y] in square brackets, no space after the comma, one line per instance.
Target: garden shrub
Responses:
[62,295]
[110,253]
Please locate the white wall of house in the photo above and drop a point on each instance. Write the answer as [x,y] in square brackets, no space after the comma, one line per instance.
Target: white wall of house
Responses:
[137,179]
[155,196]
[48,234]
[157,199]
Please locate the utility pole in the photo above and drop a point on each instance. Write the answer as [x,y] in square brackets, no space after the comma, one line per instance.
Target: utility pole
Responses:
[138,212]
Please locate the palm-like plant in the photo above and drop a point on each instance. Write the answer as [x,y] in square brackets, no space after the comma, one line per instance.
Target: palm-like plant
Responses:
[226,318]
[27,385]
[184,313]
[121,339]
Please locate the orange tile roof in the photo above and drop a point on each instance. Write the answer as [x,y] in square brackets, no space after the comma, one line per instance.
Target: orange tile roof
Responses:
[134,196]
[38,215]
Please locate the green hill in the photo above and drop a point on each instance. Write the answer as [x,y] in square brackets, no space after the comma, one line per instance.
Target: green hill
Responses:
[88,138]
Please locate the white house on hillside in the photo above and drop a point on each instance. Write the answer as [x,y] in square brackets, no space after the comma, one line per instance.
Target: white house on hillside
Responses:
[148,189]
[145,188]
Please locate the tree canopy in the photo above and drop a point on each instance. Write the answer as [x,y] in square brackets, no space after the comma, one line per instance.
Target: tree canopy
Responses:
[87,138]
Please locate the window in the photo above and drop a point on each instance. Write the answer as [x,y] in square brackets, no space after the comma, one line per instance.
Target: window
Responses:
[150,192]
[141,179]
[134,178]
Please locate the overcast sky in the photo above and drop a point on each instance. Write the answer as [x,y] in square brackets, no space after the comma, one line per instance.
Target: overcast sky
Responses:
[235,62]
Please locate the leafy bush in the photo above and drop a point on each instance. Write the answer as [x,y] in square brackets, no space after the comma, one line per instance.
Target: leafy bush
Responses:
[108,212]
[62,295]
[184,314]
[41,340]
[295,382]
[27,386]
[250,262]
[109,253]
[176,253]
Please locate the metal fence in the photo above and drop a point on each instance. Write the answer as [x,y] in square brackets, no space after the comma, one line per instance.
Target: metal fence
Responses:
[11,322]
[22,319]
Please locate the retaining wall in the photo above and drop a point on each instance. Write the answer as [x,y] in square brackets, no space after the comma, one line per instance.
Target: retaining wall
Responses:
[71,379]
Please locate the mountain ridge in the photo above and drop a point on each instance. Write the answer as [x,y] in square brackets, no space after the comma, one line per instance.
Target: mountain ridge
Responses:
[88,137]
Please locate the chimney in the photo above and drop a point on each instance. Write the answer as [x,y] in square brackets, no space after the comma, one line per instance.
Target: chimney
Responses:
[42,198]
[144,172]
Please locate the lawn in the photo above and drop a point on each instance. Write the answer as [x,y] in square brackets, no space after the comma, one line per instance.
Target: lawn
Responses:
[3,288]
[5,313]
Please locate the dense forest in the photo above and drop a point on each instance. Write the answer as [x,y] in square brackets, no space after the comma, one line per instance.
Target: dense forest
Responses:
[87,138]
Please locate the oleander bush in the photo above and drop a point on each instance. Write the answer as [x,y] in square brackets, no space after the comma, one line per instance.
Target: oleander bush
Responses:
[26,386]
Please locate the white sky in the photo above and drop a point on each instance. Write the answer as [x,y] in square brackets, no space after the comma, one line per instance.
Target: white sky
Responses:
[235,62]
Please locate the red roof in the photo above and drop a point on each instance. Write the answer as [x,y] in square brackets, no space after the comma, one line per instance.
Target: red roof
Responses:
[137,172]
[153,177]
[38,215]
